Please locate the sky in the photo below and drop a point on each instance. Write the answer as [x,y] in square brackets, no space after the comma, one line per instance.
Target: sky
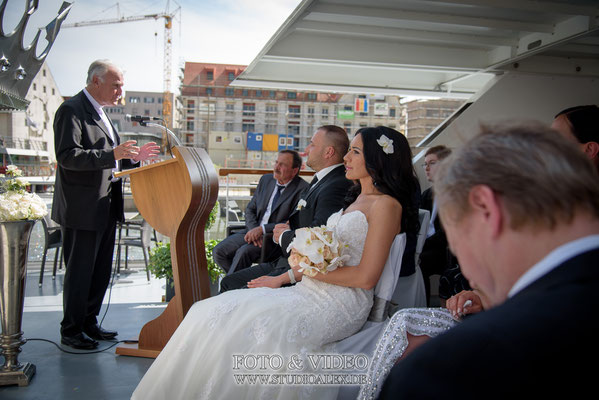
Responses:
[215,31]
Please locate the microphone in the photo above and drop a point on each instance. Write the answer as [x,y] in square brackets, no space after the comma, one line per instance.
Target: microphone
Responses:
[140,119]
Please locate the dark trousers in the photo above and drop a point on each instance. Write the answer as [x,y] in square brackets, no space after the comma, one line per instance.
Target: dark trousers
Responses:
[240,279]
[88,259]
[233,253]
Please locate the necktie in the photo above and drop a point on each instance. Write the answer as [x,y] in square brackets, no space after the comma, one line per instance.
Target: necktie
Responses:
[314,181]
[277,195]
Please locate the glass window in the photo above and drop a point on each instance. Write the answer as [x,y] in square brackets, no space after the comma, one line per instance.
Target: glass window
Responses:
[210,75]
[231,76]
[229,91]
[291,95]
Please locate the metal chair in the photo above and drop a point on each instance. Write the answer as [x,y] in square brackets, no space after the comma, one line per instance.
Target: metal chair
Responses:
[52,240]
[138,233]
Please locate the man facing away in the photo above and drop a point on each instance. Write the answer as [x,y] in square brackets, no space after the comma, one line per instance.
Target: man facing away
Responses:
[580,124]
[275,198]
[324,197]
[88,199]
[520,207]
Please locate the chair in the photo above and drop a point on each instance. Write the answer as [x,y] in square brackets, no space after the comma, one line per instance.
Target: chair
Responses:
[52,240]
[410,291]
[138,233]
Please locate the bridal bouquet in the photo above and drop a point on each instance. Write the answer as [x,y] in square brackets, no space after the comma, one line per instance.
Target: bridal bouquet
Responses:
[16,203]
[316,250]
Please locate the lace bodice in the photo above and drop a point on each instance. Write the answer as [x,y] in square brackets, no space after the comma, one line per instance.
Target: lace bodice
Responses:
[351,229]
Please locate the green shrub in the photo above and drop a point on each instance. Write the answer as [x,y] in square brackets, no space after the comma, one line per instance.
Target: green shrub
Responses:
[160,256]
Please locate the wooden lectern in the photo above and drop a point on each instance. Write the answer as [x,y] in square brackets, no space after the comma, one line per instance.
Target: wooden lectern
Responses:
[175,197]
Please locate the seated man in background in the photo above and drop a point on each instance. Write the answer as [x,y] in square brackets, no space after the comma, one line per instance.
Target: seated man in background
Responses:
[324,197]
[272,203]
[520,207]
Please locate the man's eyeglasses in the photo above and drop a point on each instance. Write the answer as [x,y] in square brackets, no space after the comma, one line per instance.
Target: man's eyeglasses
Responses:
[430,164]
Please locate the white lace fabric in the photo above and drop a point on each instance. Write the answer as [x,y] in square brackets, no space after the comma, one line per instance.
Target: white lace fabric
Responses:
[197,363]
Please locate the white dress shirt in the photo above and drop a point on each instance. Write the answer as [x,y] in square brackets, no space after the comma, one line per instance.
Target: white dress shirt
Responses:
[266,215]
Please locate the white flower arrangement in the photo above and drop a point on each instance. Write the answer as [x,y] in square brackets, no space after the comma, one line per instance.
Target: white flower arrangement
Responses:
[316,250]
[301,204]
[386,144]
[16,204]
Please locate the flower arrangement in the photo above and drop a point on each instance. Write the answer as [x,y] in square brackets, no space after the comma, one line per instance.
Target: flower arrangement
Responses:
[16,204]
[316,250]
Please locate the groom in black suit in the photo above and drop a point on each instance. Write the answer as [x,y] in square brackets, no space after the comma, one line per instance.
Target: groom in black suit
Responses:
[88,199]
[525,228]
[324,197]
[274,200]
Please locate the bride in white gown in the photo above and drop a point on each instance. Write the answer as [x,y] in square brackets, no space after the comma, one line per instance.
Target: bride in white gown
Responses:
[260,343]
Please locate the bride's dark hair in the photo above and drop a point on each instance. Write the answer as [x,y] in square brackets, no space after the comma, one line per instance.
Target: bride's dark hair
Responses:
[392,173]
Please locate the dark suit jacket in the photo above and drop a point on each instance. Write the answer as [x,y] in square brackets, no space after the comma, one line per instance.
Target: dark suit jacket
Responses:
[84,196]
[281,210]
[325,198]
[434,257]
[539,342]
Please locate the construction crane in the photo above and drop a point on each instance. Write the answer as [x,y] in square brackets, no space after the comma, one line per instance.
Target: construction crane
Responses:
[167,105]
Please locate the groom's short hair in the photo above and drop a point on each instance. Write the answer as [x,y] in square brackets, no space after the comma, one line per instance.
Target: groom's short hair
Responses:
[337,138]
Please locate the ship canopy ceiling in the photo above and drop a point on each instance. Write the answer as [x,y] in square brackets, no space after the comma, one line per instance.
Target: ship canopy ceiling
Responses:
[425,48]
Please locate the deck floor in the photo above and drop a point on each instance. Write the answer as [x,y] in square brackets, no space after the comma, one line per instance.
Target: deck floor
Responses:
[92,376]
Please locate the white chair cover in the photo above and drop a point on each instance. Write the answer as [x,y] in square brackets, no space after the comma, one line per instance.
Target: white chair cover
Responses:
[365,340]
[409,291]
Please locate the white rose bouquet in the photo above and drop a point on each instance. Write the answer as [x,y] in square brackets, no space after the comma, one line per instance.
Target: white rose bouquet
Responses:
[16,203]
[316,250]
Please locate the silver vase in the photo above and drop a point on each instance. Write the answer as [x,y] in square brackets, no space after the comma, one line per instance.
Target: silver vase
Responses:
[14,242]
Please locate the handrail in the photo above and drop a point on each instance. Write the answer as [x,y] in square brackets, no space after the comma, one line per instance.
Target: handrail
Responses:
[256,171]
[247,171]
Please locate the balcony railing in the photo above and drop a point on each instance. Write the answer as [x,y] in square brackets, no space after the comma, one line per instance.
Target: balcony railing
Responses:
[23,144]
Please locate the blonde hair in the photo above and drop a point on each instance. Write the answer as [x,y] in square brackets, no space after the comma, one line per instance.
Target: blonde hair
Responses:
[542,178]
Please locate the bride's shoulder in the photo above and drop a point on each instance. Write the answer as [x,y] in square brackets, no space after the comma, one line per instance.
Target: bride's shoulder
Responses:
[385,207]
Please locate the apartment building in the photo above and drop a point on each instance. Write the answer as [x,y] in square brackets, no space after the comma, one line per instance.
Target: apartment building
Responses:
[27,137]
[229,121]
[423,116]
[146,104]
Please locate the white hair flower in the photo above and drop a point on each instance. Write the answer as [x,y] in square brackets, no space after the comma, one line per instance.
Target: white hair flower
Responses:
[386,144]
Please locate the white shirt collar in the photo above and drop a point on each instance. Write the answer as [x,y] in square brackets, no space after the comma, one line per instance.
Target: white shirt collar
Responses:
[323,172]
[96,105]
[554,259]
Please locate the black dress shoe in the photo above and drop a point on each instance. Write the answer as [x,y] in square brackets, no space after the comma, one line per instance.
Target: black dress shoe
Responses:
[79,341]
[96,332]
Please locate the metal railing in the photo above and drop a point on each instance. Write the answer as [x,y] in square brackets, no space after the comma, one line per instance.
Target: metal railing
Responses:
[226,172]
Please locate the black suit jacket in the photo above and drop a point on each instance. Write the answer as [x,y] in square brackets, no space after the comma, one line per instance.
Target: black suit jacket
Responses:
[539,342]
[325,198]
[84,196]
[434,255]
[281,210]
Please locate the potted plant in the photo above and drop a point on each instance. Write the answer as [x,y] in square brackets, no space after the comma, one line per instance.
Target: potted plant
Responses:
[161,266]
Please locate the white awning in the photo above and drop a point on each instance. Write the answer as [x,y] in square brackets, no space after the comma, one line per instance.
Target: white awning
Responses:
[425,48]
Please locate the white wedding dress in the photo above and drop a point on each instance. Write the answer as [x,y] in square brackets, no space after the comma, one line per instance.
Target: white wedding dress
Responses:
[226,336]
